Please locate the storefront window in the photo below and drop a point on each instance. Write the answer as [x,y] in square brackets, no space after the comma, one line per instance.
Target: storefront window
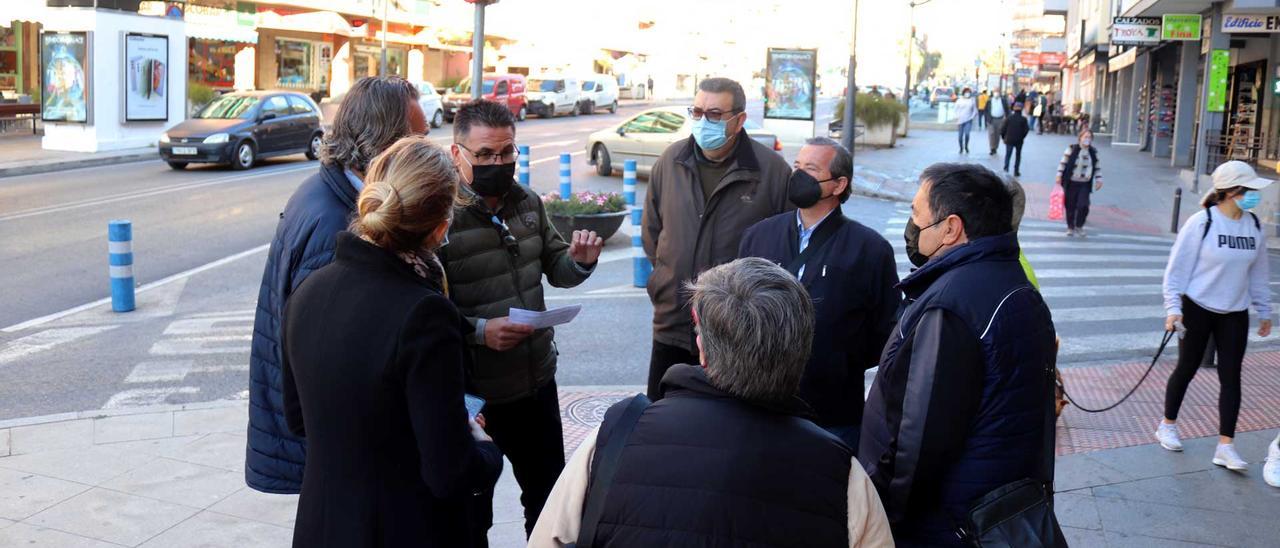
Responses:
[368,59]
[294,64]
[11,57]
[212,62]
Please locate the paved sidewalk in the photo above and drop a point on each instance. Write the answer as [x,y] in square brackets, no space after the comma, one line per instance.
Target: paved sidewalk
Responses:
[173,476]
[22,155]
[1137,194]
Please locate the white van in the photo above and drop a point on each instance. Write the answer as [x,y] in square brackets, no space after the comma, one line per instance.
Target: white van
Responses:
[599,91]
[552,94]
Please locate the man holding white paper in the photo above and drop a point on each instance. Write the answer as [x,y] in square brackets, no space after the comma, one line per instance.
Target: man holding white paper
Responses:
[500,246]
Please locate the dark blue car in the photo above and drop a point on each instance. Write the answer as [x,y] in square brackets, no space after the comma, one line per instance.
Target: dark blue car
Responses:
[239,128]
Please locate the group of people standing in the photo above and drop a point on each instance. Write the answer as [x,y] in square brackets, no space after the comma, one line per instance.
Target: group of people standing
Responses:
[382,317]
[1003,115]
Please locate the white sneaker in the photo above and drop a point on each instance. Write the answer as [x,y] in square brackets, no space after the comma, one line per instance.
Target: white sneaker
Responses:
[1071,233]
[1168,436]
[1081,233]
[1271,470]
[1227,456]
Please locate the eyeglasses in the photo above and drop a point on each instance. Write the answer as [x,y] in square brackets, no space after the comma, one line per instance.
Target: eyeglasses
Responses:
[508,240]
[714,114]
[493,158]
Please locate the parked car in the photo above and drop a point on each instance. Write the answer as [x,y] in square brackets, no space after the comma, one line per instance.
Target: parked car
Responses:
[599,90]
[553,94]
[644,136]
[942,95]
[431,102]
[240,128]
[508,89]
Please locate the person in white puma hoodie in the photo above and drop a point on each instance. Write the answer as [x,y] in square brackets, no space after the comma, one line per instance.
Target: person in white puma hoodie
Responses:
[1217,268]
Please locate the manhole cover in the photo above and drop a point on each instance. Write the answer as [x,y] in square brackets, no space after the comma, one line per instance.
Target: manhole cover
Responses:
[589,411]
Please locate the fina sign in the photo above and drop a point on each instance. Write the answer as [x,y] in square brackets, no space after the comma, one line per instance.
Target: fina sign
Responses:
[1250,23]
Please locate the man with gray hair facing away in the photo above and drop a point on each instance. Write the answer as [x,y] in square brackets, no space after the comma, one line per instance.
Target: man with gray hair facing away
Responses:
[375,114]
[726,458]
[704,192]
[849,271]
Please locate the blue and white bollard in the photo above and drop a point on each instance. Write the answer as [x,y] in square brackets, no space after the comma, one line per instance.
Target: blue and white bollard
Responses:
[523,174]
[641,268]
[566,183]
[629,182]
[120,255]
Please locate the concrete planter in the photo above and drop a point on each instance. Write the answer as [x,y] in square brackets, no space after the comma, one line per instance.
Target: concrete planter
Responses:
[878,136]
[605,225]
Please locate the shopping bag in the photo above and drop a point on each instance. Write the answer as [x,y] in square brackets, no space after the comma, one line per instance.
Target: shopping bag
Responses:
[1057,211]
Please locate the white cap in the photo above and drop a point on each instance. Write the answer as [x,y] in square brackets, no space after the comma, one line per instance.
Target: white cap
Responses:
[1236,173]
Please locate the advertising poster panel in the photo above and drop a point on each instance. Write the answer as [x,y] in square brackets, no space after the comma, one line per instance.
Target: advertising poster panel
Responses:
[146,77]
[64,60]
[789,84]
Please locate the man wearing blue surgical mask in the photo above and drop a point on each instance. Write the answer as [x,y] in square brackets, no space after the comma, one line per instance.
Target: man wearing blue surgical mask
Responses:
[704,192]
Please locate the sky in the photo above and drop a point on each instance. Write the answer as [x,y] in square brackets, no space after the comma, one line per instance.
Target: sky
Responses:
[961,29]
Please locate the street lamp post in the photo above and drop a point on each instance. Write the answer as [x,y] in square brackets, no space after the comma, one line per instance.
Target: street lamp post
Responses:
[382,71]
[477,47]
[911,42]
[851,88]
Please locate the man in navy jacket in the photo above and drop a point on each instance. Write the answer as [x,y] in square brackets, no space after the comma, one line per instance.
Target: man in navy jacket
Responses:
[849,272]
[375,114]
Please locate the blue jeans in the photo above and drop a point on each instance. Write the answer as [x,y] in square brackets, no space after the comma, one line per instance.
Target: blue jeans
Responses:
[847,434]
[963,135]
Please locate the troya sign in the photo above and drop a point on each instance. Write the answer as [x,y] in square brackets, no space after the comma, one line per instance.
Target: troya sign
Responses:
[1135,31]
[1250,23]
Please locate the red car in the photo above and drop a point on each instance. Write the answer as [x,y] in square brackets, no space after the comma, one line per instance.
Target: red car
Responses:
[502,88]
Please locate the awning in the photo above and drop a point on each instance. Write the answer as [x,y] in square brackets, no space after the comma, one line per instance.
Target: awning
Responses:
[411,39]
[223,33]
[321,22]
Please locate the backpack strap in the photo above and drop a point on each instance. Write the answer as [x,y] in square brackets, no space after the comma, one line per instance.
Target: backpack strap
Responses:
[609,444]
[1208,221]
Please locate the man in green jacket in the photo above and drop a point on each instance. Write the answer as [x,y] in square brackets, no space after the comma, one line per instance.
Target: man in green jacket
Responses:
[704,193]
[499,248]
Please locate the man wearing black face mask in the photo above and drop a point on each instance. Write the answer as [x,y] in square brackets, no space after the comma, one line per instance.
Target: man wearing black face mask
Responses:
[500,246]
[849,272]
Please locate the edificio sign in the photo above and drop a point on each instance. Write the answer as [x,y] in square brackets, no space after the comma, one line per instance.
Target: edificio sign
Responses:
[1250,23]
[1135,31]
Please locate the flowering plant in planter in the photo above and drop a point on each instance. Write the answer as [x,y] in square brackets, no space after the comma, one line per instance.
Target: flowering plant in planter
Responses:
[583,203]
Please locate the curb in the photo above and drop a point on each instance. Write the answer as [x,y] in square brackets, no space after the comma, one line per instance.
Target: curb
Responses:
[49,167]
[108,413]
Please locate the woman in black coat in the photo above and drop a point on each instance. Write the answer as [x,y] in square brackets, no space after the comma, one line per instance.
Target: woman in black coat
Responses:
[373,373]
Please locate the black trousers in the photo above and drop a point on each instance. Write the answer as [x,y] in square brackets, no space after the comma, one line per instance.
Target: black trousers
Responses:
[664,356]
[1231,335]
[1011,150]
[1076,201]
[530,435]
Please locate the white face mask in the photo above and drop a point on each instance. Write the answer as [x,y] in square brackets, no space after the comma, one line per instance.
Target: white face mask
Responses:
[1086,142]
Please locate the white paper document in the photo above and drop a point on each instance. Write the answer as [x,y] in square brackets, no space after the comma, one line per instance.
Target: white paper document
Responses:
[543,320]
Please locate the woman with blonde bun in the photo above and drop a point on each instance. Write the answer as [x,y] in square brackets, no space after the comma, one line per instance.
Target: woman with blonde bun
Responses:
[373,371]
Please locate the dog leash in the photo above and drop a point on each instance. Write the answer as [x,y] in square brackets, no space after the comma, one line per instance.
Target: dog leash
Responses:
[1168,336]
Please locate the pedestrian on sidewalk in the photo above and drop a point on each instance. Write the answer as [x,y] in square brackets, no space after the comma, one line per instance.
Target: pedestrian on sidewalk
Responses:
[983,99]
[373,372]
[501,245]
[704,192]
[962,399]
[728,457]
[1271,470]
[966,111]
[850,273]
[1218,267]
[1039,113]
[375,114]
[1079,175]
[1014,133]
[997,111]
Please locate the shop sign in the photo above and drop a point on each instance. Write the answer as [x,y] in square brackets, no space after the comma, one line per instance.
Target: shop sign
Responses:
[1135,31]
[1029,58]
[1250,23]
[64,97]
[1219,64]
[1181,26]
[1025,73]
[1053,58]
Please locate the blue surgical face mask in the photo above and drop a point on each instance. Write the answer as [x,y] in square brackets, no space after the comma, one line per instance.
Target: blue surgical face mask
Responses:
[710,135]
[1250,200]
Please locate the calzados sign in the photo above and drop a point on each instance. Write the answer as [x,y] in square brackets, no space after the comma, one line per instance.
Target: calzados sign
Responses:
[1135,31]
[1250,23]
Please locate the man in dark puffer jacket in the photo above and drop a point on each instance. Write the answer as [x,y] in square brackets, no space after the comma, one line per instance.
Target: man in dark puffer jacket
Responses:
[727,457]
[958,405]
[375,114]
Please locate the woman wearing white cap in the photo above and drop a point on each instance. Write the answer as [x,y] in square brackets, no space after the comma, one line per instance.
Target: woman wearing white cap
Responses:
[1217,267]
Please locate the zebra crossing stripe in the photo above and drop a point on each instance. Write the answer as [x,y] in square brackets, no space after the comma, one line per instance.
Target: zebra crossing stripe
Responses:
[1109,313]
[1064,291]
[1141,341]
[1039,260]
[898,243]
